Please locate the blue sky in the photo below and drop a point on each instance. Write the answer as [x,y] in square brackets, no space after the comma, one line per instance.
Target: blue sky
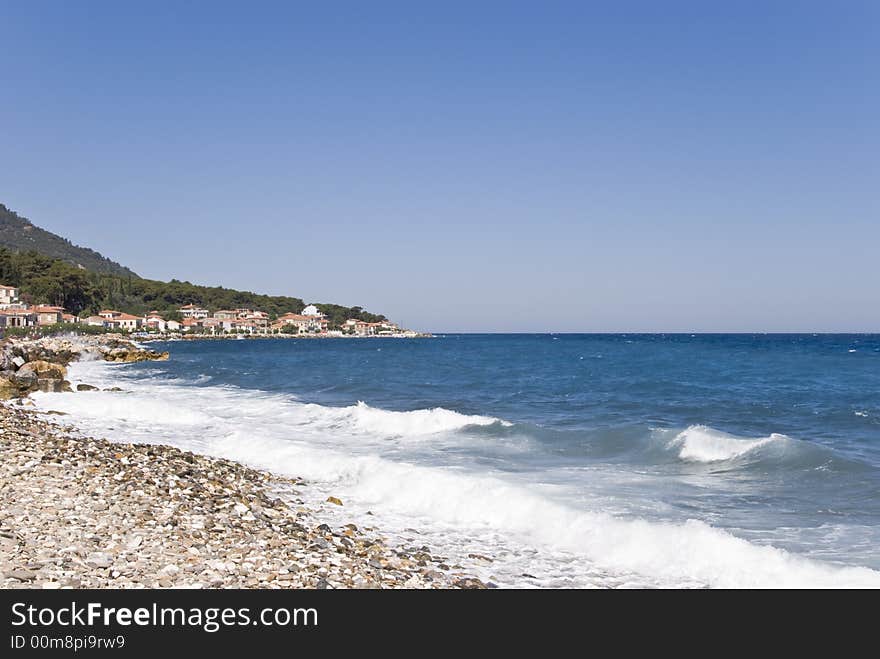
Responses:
[478,166]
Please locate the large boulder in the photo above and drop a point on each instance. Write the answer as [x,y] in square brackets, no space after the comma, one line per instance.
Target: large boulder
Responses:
[15,385]
[8,388]
[130,355]
[26,379]
[44,370]
[53,350]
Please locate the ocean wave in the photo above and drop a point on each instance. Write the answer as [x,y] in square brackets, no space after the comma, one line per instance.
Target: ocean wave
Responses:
[337,451]
[413,423]
[692,553]
[704,444]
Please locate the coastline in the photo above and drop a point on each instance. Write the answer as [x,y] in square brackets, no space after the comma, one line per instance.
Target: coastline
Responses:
[79,512]
[149,338]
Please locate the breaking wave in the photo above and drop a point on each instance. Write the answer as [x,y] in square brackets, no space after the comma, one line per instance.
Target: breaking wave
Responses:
[705,444]
[532,525]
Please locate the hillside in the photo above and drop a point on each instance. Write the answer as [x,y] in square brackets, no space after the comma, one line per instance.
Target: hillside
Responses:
[20,235]
[83,281]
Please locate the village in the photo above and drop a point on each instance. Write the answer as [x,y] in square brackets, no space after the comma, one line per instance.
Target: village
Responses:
[195,321]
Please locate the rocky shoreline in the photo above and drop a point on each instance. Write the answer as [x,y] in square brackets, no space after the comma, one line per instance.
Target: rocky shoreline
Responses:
[28,365]
[77,512]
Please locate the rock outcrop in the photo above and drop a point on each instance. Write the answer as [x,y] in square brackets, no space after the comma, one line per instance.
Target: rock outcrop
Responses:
[130,355]
[44,370]
[28,365]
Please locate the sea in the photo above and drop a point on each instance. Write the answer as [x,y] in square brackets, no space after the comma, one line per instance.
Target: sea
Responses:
[546,460]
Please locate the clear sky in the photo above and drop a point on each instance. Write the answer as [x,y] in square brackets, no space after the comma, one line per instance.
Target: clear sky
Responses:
[477,166]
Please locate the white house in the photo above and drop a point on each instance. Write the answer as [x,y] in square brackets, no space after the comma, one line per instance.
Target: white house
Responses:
[192,311]
[302,323]
[312,310]
[172,326]
[124,321]
[155,322]
[8,295]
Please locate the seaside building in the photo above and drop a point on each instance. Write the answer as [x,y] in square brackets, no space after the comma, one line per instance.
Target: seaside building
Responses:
[259,319]
[360,327]
[19,318]
[95,321]
[191,324]
[303,324]
[124,321]
[388,328]
[69,318]
[8,296]
[109,314]
[154,321]
[312,310]
[226,314]
[193,311]
[172,326]
[47,315]
[212,325]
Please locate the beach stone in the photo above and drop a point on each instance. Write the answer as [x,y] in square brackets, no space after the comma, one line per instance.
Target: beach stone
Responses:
[18,362]
[86,387]
[44,370]
[9,388]
[130,355]
[26,379]
[469,583]
[20,575]
[99,559]
[334,500]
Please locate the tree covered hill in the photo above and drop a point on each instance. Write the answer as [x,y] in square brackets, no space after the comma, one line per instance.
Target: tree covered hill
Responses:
[44,280]
[19,234]
[84,282]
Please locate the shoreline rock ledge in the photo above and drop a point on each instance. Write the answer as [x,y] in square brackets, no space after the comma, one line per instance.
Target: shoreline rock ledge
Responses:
[28,365]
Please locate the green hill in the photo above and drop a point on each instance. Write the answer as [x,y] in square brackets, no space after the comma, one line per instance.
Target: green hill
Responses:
[47,278]
[20,235]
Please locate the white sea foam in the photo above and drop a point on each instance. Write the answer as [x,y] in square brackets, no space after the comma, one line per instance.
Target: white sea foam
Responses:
[528,525]
[705,444]
[386,423]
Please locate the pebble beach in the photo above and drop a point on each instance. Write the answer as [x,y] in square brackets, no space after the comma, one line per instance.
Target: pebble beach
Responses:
[79,512]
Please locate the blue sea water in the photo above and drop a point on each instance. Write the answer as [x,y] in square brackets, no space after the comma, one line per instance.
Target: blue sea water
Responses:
[571,460]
